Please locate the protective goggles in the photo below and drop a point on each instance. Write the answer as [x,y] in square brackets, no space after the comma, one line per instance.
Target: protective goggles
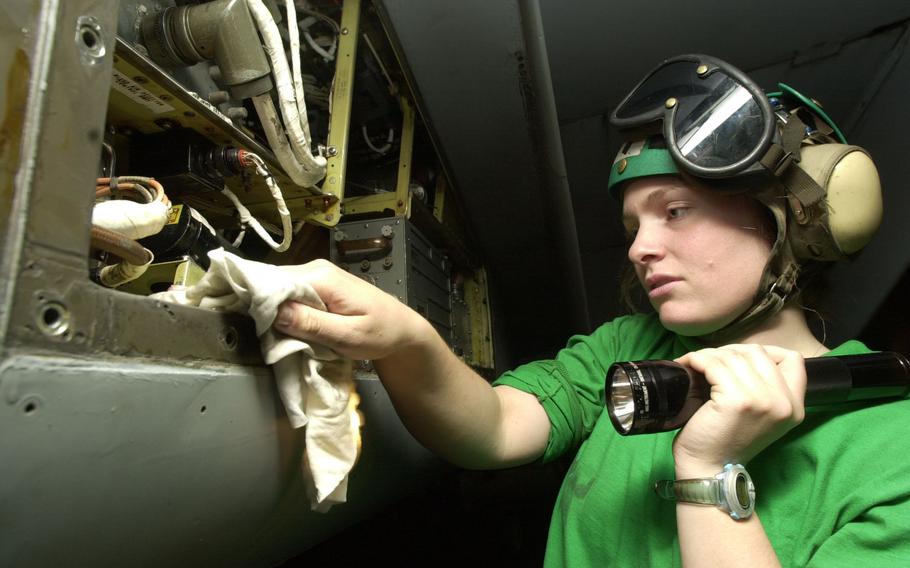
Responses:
[716,122]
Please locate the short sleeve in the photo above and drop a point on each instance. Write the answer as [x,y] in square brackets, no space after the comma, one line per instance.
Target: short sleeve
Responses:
[570,387]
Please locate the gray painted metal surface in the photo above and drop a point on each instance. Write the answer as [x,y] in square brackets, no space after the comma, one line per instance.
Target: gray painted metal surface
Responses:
[117,463]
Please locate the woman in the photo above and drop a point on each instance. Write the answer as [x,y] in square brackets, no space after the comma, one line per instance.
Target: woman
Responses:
[719,233]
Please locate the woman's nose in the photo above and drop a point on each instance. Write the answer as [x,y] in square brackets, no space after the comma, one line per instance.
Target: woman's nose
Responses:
[646,247]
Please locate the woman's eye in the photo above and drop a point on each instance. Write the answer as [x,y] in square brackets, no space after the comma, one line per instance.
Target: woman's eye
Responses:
[677,212]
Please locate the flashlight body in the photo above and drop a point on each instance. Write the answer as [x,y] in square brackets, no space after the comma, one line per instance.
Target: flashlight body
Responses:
[644,397]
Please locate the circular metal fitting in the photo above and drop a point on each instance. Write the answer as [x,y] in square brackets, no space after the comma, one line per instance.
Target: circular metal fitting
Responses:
[53,319]
[229,338]
[671,102]
[701,70]
[90,40]
[168,38]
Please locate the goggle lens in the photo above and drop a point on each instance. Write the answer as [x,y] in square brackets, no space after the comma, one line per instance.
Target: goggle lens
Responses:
[672,80]
[721,128]
[718,124]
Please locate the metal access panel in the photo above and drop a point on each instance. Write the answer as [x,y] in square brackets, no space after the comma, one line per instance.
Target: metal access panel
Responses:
[394,255]
[134,432]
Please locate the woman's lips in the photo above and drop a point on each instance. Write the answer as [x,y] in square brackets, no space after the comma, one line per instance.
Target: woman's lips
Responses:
[660,285]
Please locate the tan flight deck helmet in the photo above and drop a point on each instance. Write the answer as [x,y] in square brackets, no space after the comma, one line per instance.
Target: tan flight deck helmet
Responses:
[700,116]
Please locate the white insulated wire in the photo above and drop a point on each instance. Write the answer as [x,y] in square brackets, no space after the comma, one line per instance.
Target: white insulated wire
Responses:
[294,35]
[327,55]
[119,274]
[293,110]
[381,150]
[247,219]
[274,133]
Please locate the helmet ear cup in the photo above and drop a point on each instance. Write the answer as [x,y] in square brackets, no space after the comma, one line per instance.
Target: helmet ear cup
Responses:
[851,211]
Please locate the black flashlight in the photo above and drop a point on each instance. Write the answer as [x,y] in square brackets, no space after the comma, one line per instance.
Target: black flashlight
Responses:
[644,397]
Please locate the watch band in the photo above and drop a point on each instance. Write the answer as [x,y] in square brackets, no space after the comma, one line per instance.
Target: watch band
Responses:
[731,490]
[704,491]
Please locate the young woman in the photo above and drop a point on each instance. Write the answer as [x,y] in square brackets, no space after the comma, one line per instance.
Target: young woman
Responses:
[719,231]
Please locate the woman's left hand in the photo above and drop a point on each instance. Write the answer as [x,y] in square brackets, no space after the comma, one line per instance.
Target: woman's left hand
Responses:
[757,395]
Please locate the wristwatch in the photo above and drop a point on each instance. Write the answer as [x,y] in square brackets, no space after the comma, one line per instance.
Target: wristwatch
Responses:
[731,490]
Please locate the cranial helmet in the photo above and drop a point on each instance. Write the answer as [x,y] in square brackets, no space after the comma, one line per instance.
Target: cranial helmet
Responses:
[700,116]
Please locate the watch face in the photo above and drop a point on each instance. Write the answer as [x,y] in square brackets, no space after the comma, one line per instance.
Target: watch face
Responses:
[742,490]
[738,491]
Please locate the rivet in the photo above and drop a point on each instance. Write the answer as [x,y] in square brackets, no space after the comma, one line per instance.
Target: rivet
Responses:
[622,165]
[701,70]
[671,102]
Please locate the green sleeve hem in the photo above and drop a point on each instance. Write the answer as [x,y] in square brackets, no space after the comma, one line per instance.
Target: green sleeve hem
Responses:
[549,382]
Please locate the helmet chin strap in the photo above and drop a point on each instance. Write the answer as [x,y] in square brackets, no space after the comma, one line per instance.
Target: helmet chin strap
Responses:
[766,306]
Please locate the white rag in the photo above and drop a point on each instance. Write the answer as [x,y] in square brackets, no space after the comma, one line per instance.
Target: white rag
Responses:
[315,383]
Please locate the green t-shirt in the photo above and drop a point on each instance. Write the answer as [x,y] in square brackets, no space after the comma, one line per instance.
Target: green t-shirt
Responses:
[835,491]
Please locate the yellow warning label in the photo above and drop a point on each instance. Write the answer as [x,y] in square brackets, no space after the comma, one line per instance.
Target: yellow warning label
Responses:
[173,215]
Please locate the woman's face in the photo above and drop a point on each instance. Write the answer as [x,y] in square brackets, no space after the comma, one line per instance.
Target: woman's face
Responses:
[698,254]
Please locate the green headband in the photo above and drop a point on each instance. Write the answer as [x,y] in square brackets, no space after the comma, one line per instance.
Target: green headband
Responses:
[643,158]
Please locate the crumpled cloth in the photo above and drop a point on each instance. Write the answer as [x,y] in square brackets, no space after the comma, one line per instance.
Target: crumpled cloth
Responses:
[315,383]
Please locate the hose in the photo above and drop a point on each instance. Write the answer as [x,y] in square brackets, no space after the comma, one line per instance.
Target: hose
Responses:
[121,246]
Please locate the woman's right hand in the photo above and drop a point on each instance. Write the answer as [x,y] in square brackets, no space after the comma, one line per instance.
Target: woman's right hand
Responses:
[361,321]
[443,402]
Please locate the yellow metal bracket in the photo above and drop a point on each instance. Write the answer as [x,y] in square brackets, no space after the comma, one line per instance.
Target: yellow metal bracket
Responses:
[477,298]
[340,121]
[400,201]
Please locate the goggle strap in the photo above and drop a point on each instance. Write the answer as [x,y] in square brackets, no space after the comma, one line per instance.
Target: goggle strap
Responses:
[823,128]
[806,190]
[792,135]
[778,158]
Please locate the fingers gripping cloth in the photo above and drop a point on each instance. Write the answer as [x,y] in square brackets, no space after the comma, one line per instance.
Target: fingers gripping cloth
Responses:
[315,384]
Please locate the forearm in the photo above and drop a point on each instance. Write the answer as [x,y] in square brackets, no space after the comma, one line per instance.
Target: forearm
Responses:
[709,536]
[446,405]
[756,397]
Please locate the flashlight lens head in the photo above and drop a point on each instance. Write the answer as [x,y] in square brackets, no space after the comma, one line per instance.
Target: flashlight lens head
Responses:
[621,401]
[644,397]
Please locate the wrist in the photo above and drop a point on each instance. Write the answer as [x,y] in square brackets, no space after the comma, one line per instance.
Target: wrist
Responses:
[415,335]
[417,331]
[688,467]
[731,490]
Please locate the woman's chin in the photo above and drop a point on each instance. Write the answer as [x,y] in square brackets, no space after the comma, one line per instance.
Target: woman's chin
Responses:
[689,326]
